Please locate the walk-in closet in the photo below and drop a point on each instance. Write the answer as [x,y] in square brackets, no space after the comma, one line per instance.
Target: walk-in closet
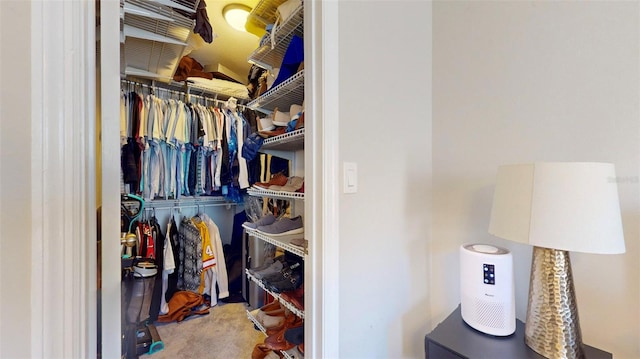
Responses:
[214,247]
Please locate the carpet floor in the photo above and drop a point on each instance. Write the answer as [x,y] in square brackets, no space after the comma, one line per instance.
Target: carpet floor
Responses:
[225,333]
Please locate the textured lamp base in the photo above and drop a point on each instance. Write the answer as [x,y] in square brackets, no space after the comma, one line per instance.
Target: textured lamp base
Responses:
[552,328]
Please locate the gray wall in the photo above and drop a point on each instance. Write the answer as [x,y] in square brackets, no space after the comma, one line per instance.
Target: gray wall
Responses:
[385,127]
[537,81]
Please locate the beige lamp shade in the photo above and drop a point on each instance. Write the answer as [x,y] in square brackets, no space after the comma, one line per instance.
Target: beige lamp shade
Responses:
[571,206]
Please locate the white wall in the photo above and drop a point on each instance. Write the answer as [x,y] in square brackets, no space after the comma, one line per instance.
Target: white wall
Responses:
[385,127]
[537,81]
[15,177]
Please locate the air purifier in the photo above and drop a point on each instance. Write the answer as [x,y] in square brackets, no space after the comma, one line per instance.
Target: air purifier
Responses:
[486,289]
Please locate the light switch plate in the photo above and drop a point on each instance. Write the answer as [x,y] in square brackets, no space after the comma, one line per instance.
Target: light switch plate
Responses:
[350,180]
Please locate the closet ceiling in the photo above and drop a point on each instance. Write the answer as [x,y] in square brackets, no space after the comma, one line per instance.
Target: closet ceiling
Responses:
[155,34]
[230,48]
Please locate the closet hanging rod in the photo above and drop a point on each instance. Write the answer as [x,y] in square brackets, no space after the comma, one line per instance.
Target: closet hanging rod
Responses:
[186,92]
[151,209]
[188,203]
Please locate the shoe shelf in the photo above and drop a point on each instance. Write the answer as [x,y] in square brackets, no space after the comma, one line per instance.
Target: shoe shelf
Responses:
[264,331]
[282,243]
[268,56]
[274,194]
[290,141]
[291,307]
[289,92]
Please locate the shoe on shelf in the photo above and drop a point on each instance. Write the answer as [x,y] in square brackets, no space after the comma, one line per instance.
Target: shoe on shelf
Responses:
[283,274]
[275,305]
[293,184]
[289,283]
[282,227]
[295,335]
[263,221]
[295,297]
[271,321]
[273,133]
[278,179]
[274,268]
[299,242]
[267,263]
[277,341]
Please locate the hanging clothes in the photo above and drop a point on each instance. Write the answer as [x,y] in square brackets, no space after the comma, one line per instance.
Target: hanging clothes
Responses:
[190,263]
[216,275]
[171,148]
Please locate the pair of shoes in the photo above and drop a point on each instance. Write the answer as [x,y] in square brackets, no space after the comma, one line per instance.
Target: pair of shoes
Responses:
[291,282]
[264,221]
[287,269]
[278,179]
[287,280]
[293,184]
[282,227]
[274,268]
[277,340]
[295,297]
[271,319]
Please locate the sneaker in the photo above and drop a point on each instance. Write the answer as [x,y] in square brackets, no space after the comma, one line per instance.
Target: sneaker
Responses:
[283,227]
[264,221]
[279,179]
[293,184]
[276,267]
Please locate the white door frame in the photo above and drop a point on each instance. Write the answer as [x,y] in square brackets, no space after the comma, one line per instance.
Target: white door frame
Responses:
[63,217]
[63,188]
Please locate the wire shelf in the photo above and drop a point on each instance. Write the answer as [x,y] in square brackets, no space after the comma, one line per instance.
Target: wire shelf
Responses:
[282,243]
[289,92]
[288,305]
[154,37]
[265,12]
[290,141]
[269,57]
[275,194]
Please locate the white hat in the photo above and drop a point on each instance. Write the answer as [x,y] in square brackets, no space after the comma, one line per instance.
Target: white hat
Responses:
[294,111]
[280,118]
[266,124]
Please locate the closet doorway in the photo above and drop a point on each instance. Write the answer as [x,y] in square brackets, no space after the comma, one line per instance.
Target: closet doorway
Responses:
[322,175]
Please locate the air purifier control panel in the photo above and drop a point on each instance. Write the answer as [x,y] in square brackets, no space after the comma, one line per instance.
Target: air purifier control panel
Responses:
[489,271]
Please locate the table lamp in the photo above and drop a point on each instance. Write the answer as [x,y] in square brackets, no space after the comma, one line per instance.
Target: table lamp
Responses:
[557,207]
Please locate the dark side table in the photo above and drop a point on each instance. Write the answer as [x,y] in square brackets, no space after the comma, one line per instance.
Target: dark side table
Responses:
[455,339]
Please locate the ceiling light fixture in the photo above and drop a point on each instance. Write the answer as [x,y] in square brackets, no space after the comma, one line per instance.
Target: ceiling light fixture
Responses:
[236,15]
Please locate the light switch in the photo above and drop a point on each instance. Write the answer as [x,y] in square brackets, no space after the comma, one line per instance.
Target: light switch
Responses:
[350,181]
